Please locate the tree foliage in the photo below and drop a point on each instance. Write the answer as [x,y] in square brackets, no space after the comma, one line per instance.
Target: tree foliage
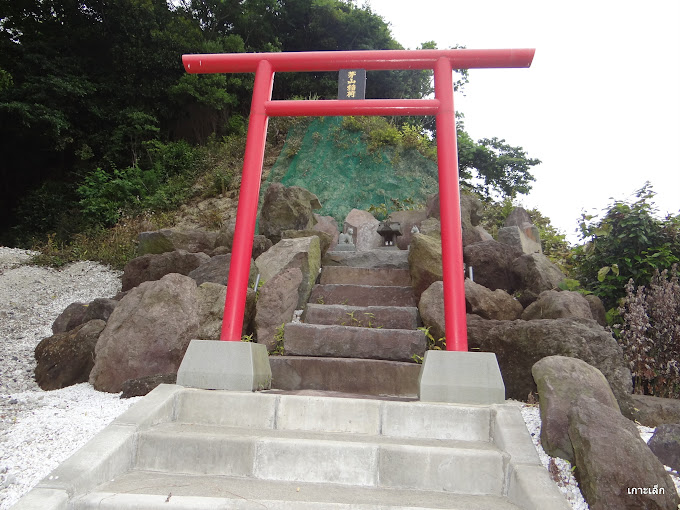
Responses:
[89,87]
[628,242]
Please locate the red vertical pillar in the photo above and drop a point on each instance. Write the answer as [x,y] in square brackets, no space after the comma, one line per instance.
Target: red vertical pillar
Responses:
[246,214]
[449,203]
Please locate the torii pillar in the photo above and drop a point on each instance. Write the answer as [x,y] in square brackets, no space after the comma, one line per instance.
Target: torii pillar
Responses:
[451,375]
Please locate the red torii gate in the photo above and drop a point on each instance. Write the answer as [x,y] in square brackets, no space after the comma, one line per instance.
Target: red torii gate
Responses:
[264,65]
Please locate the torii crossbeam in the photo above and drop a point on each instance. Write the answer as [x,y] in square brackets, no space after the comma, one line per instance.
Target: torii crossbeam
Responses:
[264,65]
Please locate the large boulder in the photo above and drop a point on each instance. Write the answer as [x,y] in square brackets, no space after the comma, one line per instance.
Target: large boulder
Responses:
[303,253]
[533,274]
[144,385]
[325,239]
[518,217]
[154,267]
[72,317]
[493,264]
[100,308]
[425,262]
[431,227]
[522,239]
[597,309]
[615,468]
[148,332]
[225,241]
[665,444]
[216,270]
[519,344]
[211,297]
[552,304]
[431,309]
[491,304]
[365,228]
[286,209]
[520,232]
[653,411]
[471,210]
[561,381]
[276,304]
[170,239]
[407,220]
[328,225]
[67,358]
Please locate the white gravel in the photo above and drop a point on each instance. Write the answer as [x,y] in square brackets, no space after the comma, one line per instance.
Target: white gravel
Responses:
[39,429]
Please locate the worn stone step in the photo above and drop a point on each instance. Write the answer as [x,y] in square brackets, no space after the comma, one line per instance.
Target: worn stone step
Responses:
[151,490]
[353,342]
[370,258]
[363,460]
[387,317]
[362,295]
[365,276]
[347,375]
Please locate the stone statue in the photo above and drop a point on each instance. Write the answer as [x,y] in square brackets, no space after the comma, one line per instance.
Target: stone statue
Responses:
[346,241]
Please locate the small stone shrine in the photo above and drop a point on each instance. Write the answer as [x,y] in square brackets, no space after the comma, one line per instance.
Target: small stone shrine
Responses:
[389,230]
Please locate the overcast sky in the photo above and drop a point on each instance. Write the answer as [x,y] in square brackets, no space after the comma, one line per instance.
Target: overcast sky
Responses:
[600,105]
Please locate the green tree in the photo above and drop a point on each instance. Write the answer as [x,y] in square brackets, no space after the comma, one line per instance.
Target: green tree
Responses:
[628,242]
[491,166]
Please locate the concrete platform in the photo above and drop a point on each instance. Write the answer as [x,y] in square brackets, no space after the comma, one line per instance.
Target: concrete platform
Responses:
[353,342]
[197,449]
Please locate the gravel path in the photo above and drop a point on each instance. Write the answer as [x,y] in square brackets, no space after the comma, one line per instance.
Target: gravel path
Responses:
[39,429]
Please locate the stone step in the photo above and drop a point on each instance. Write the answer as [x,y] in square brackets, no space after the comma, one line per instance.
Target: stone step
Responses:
[362,295]
[372,258]
[387,317]
[353,342]
[344,275]
[346,375]
[362,460]
[159,491]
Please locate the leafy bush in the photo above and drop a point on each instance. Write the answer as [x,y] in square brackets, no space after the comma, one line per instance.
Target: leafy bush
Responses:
[629,242]
[650,334]
[162,183]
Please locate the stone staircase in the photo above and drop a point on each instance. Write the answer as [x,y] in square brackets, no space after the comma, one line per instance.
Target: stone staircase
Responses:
[358,334]
[195,449]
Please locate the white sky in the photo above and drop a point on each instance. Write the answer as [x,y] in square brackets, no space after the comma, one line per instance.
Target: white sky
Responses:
[600,105]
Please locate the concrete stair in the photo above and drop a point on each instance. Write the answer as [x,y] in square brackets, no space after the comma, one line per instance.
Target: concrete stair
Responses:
[197,449]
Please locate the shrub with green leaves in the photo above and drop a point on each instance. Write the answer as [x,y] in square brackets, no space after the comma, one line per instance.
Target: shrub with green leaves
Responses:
[650,334]
[629,242]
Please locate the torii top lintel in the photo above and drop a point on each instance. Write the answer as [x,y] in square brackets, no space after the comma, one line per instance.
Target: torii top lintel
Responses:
[371,60]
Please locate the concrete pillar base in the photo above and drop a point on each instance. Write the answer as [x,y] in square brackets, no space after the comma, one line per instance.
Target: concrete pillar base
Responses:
[217,365]
[461,378]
